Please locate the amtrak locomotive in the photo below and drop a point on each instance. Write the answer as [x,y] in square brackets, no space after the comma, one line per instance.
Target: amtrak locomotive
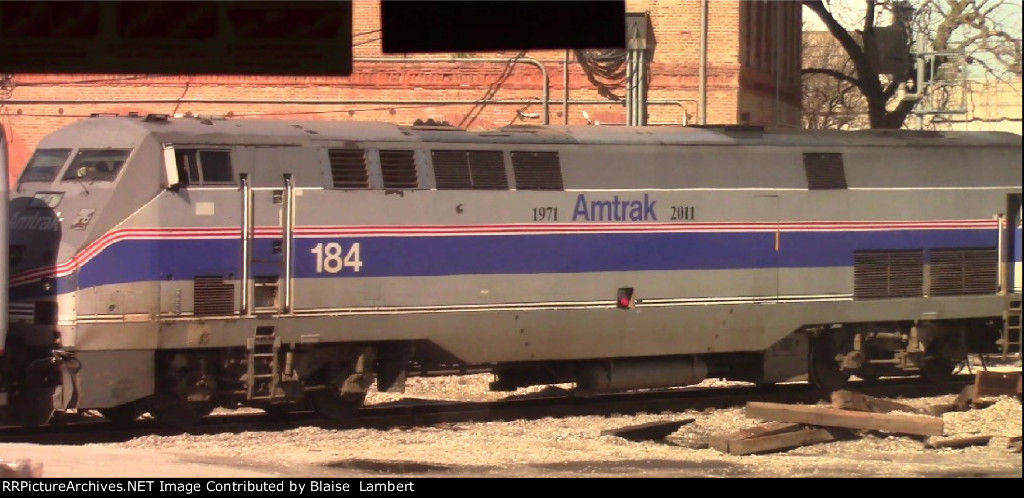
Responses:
[175,265]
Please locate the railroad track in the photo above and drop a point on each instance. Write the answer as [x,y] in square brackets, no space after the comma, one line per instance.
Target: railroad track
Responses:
[418,413]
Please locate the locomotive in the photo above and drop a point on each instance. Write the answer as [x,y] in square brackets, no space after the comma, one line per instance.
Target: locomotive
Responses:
[175,265]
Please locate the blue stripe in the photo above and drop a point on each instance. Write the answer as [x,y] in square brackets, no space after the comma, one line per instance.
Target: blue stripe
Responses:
[183,259]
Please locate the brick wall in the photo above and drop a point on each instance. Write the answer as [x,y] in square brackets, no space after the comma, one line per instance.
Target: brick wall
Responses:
[404,90]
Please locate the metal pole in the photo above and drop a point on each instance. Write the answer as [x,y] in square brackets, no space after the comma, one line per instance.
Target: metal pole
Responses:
[702,77]
[287,241]
[565,86]
[246,239]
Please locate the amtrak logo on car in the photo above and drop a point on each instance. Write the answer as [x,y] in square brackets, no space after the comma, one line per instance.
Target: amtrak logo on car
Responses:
[34,221]
[614,210]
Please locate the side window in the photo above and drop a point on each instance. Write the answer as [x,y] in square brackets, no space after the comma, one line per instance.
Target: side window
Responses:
[204,166]
[44,165]
[96,165]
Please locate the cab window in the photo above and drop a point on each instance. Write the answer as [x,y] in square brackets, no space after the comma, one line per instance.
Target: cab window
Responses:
[45,164]
[96,165]
[204,166]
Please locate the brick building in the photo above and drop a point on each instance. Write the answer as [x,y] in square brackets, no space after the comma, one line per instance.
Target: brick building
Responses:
[753,76]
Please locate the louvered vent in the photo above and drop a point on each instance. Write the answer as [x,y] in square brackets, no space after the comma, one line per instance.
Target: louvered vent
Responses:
[398,167]
[451,169]
[348,168]
[488,170]
[537,170]
[888,274]
[461,169]
[211,296]
[824,171]
[963,271]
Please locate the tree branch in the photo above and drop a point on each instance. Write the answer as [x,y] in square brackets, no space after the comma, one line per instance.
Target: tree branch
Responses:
[833,73]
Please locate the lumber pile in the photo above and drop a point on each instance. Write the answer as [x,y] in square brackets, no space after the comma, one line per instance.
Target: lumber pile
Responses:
[793,426]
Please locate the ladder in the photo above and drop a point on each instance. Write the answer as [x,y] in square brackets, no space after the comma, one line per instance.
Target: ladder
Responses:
[1010,341]
[263,373]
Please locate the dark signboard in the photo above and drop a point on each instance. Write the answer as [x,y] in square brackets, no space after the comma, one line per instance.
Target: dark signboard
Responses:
[176,37]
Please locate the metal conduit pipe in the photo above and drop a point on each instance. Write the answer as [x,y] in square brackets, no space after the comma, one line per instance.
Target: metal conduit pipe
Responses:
[679,103]
[545,100]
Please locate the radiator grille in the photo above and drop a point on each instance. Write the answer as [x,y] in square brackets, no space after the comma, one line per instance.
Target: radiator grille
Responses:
[211,296]
[348,168]
[537,170]
[461,169]
[888,274]
[824,171]
[398,167]
[963,271]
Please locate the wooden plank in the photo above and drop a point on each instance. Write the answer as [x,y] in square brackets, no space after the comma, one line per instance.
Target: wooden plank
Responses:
[995,384]
[720,442]
[938,410]
[648,431]
[849,400]
[961,442]
[780,442]
[897,423]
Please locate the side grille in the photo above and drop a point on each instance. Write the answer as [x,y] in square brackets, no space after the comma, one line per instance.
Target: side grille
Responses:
[211,296]
[963,271]
[824,171]
[478,169]
[451,169]
[398,167]
[537,170]
[348,168]
[888,274]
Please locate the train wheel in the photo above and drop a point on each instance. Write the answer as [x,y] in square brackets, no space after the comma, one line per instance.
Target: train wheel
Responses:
[333,405]
[29,407]
[937,370]
[122,414]
[823,369]
[177,412]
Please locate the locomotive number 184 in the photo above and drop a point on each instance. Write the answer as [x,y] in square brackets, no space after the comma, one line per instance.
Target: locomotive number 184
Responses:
[329,257]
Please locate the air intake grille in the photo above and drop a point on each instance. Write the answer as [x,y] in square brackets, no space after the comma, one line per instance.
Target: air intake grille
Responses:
[348,168]
[398,168]
[824,171]
[888,274]
[211,296]
[537,170]
[963,271]
[459,169]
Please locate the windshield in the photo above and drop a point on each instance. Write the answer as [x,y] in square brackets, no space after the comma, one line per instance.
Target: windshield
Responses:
[96,165]
[44,165]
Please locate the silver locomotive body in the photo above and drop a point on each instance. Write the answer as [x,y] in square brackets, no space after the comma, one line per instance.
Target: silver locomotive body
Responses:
[175,265]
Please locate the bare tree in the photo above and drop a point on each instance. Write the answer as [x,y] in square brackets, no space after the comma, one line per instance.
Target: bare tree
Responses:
[829,103]
[980,29]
